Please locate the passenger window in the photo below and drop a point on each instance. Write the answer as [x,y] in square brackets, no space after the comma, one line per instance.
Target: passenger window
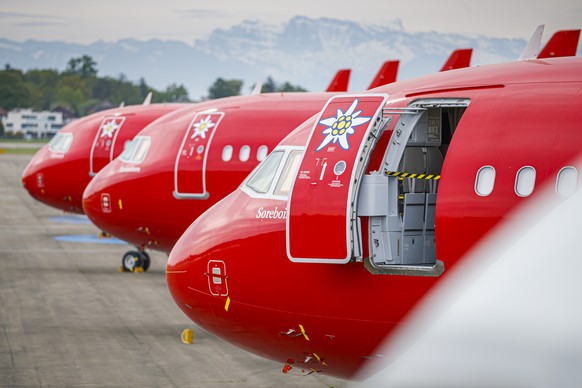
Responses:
[136,150]
[525,181]
[245,153]
[262,153]
[61,142]
[485,181]
[567,181]
[288,175]
[265,173]
[227,153]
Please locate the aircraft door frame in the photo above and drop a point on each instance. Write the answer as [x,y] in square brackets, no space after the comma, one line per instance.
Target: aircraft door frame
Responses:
[321,222]
[105,139]
[193,154]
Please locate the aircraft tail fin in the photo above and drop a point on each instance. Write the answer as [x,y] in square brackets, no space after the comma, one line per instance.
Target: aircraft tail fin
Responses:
[386,75]
[339,83]
[257,89]
[562,44]
[458,59]
[148,99]
[533,46]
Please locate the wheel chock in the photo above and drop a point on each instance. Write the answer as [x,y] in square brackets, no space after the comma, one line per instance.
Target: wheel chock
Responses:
[187,336]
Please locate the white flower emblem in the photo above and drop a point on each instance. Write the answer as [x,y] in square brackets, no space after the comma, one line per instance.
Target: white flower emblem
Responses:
[109,127]
[202,127]
[339,127]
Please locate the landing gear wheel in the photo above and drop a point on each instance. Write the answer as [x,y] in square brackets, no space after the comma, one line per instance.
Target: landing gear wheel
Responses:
[145,260]
[134,260]
[130,260]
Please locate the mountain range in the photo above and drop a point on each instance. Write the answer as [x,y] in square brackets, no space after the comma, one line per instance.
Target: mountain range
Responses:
[303,51]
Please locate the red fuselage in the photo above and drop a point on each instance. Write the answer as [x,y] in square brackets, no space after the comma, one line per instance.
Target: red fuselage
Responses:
[230,271]
[59,172]
[183,174]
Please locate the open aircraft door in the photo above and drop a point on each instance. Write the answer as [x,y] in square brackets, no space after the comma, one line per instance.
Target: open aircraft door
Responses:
[104,143]
[190,167]
[321,222]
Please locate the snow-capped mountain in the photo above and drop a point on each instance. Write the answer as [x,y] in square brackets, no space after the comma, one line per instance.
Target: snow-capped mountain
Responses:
[303,51]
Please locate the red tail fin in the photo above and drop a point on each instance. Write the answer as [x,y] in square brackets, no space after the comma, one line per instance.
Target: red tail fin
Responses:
[458,59]
[339,83]
[386,74]
[561,44]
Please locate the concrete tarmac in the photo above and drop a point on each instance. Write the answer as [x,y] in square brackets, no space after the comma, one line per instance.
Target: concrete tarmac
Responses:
[68,318]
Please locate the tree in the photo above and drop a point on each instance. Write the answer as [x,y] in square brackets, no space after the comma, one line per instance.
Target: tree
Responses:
[83,66]
[270,86]
[173,93]
[287,87]
[72,92]
[42,86]
[13,90]
[224,88]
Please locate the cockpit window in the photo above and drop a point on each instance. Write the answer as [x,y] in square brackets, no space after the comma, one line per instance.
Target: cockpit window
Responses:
[136,150]
[288,175]
[61,142]
[261,181]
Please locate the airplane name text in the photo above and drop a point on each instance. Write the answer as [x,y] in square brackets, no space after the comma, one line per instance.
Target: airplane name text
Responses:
[272,214]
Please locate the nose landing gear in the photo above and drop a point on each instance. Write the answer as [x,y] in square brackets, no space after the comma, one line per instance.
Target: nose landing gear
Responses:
[135,261]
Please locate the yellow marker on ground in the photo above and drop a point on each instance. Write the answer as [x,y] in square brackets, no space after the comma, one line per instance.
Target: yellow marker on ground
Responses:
[187,336]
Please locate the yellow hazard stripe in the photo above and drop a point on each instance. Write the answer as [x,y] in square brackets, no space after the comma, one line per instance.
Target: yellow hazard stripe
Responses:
[399,174]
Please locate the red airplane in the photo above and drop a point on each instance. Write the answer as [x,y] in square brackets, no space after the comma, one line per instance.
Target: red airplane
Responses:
[59,172]
[188,182]
[353,218]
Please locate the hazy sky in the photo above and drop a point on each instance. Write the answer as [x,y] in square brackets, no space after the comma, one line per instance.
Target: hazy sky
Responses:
[85,21]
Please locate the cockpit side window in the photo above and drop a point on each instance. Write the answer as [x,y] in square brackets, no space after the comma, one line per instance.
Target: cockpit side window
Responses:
[136,150]
[61,142]
[288,175]
[263,177]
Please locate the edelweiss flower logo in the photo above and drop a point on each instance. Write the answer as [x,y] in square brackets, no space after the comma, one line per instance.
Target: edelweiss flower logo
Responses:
[108,128]
[202,127]
[339,127]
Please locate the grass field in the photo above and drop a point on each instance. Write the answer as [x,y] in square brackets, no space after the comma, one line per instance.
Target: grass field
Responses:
[19,151]
[20,146]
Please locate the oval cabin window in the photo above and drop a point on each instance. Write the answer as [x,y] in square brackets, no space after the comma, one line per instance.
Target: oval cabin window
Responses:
[227,153]
[262,153]
[525,181]
[567,181]
[485,181]
[245,153]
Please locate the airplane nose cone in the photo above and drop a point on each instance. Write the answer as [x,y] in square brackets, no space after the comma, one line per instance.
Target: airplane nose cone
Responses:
[33,178]
[186,280]
[198,287]
[101,203]
[48,180]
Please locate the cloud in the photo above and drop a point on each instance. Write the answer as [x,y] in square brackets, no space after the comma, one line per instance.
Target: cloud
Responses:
[22,15]
[41,23]
[201,12]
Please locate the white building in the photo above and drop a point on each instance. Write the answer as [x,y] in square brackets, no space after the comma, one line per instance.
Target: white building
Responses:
[33,124]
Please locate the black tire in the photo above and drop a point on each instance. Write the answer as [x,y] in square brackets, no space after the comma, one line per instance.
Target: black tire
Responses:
[145,260]
[131,260]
